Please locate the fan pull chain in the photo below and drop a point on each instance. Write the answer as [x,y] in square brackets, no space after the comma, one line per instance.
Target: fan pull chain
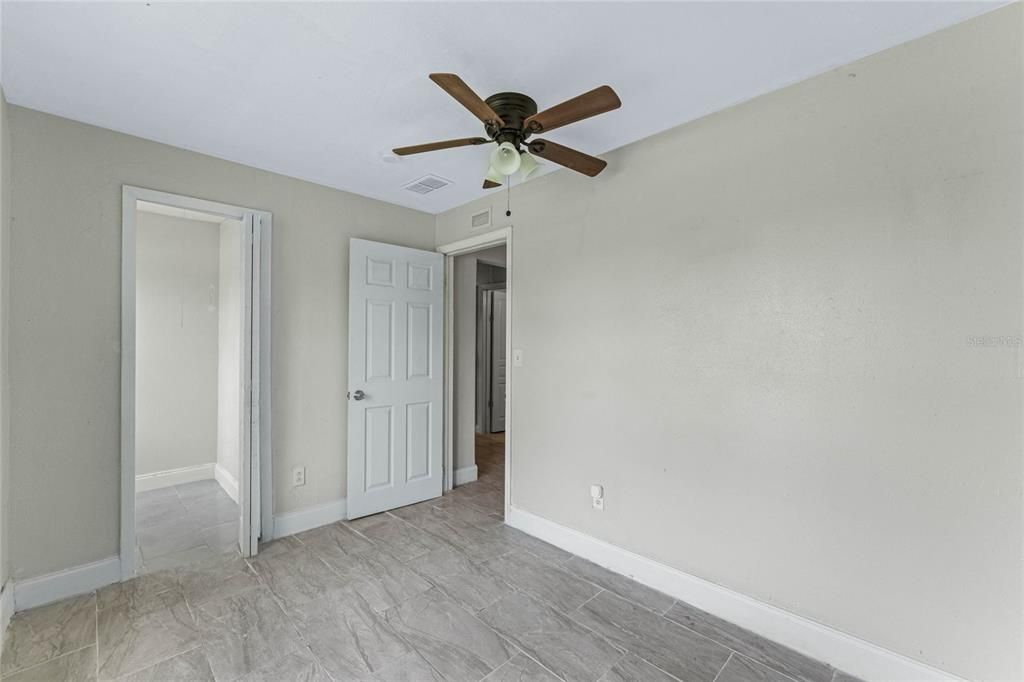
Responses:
[508,196]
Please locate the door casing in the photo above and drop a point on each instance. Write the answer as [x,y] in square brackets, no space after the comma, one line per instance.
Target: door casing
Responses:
[260,515]
[502,236]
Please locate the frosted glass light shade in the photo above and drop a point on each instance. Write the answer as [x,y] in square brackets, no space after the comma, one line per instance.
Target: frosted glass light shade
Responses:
[494,176]
[528,164]
[505,159]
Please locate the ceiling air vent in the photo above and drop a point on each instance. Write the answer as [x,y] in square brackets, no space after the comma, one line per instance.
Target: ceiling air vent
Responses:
[481,219]
[427,184]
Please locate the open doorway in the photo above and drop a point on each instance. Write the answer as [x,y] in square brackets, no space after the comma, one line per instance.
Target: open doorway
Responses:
[195,380]
[480,372]
[188,350]
[478,315]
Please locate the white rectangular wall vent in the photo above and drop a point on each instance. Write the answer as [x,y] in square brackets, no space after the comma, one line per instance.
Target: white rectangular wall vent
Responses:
[427,184]
[481,219]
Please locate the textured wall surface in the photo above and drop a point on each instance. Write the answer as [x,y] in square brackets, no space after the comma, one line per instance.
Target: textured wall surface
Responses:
[759,332]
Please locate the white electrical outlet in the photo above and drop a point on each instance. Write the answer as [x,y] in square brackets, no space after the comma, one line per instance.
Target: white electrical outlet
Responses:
[299,476]
[597,496]
[517,357]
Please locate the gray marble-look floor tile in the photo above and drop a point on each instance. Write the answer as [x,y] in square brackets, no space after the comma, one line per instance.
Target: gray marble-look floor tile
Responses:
[416,512]
[298,666]
[157,495]
[489,502]
[753,646]
[349,638]
[214,578]
[296,577]
[480,544]
[150,510]
[619,584]
[634,669]
[365,523]
[543,580]
[190,666]
[79,666]
[409,668]
[245,632]
[560,644]
[521,668]
[386,582]
[454,641]
[402,540]
[139,595]
[471,584]
[535,546]
[190,493]
[212,511]
[668,645]
[335,541]
[167,536]
[467,513]
[130,640]
[742,669]
[222,537]
[185,557]
[47,632]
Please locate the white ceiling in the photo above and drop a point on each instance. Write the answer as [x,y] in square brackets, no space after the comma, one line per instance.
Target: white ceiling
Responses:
[321,91]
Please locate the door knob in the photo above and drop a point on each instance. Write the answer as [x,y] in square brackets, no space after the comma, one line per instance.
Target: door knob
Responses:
[358,395]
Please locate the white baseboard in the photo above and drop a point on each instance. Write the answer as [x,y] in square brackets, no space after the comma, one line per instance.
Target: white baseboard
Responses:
[228,482]
[290,523]
[67,583]
[6,609]
[465,475]
[165,479]
[845,652]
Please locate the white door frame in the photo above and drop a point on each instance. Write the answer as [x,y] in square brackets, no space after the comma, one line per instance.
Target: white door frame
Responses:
[450,251]
[261,346]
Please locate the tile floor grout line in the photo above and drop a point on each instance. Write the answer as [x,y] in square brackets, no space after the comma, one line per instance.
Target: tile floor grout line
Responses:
[733,650]
[763,665]
[49,660]
[731,654]
[579,608]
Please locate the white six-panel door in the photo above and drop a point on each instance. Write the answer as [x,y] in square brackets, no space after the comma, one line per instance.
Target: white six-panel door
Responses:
[395,376]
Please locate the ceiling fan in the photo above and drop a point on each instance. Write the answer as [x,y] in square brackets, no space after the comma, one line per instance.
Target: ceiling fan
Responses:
[510,118]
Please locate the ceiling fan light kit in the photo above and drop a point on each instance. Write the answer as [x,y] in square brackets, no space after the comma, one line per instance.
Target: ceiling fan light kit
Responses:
[505,159]
[510,118]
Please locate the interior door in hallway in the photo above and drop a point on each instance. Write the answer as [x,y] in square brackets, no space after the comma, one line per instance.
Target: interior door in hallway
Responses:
[498,360]
[396,378]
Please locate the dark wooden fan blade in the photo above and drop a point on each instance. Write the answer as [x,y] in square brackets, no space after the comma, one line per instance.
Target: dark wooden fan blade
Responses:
[570,158]
[434,146]
[597,101]
[458,89]
[491,185]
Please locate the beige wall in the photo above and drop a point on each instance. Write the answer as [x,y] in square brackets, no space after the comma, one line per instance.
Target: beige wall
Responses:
[229,349]
[754,330]
[176,323]
[65,311]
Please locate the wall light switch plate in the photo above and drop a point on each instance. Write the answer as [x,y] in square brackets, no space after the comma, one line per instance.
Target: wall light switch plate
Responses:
[299,476]
[517,357]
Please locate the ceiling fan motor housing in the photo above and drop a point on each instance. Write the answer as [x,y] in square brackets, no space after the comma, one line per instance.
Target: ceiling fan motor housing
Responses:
[513,108]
